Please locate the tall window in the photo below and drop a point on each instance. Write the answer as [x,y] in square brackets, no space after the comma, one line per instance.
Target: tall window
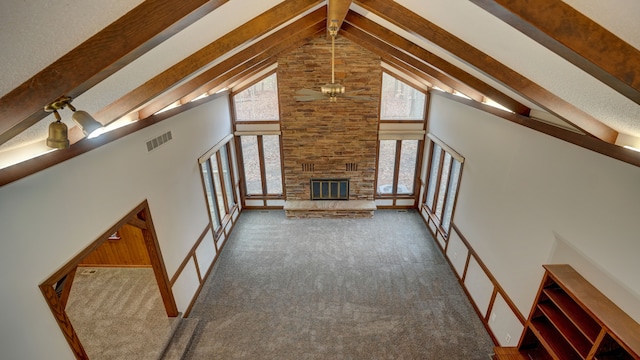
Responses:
[401,132]
[257,125]
[217,177]
[443,180]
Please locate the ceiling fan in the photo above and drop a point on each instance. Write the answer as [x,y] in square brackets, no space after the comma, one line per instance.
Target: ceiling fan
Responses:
[330,90]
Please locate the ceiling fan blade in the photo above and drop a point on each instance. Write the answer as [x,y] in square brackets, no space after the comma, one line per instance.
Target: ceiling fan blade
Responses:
[308,92]
[309,97]
[357,97]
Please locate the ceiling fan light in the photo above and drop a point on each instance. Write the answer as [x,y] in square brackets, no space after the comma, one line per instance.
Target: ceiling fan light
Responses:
[90,126]
[58,138]
[332,89]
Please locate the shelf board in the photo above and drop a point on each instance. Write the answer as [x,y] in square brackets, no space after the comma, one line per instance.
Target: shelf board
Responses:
[578,317]
[552,340]
[567,328]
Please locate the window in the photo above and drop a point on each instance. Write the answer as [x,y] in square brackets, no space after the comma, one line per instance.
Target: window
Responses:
[251,161]
[215,174]
[259,102]
[272,163]
[205,167]
[386,166]
[443,180]
[397,167]
[400,101]
[227,177]
[217,177]
[262,165]
[257,125]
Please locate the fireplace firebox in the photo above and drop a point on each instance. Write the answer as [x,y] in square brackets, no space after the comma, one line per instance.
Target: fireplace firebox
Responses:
[329,189]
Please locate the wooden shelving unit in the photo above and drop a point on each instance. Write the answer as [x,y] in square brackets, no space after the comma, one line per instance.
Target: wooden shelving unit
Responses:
[571,319]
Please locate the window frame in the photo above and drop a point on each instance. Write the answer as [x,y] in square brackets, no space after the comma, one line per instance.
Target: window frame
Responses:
[219,222]
[432,210]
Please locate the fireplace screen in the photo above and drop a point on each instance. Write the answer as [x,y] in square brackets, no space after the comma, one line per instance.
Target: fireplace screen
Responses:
[329,189]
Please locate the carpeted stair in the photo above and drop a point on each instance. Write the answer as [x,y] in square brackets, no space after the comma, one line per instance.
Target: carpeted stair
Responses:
[181,339]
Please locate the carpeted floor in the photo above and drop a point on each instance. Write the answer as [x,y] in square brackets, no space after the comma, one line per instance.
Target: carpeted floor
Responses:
[334,289]
[118,313]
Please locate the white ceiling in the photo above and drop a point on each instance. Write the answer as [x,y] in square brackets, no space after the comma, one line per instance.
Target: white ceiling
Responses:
[35,33]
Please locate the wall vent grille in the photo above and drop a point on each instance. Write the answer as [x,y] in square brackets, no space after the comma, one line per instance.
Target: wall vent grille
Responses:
[307,167]
[160,140]
[351,166]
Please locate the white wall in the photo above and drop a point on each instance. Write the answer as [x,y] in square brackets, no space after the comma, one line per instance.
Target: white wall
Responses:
[528,199]
[50,216]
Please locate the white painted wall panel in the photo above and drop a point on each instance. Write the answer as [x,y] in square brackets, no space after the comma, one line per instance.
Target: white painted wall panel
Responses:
[457,253]
[254,202]
[205,253]
[275,202]
[441,240]
[405,202]
[504,323]
[186,286]
[479,286]
[384,202]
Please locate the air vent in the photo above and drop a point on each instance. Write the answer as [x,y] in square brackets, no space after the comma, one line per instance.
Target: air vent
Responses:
[351,166]
[162,139]
[307,167]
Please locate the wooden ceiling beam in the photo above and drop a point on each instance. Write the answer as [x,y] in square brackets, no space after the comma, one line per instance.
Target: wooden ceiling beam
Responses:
[472,86]
[406,75]
[229,80]
[393,55]
[415,24]
[408,69]
[243,34]
[252,66]
[336,12]
[565,31]
[144,27]
[258,52]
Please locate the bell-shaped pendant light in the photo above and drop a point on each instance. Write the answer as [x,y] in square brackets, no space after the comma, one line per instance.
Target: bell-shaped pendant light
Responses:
[58,138]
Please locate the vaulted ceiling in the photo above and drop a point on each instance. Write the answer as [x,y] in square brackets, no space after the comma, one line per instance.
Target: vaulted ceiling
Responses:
[570,69]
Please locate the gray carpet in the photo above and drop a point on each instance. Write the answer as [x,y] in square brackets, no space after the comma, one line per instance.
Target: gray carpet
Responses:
[334,289]
[118,313]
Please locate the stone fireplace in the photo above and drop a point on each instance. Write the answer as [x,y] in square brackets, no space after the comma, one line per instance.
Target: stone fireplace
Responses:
[329,140]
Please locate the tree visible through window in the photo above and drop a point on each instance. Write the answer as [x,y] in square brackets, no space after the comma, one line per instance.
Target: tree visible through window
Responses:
[258,102]
[400,101]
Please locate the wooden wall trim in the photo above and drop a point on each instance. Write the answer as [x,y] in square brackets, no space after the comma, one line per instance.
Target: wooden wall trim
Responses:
[190,254]
[488,273]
